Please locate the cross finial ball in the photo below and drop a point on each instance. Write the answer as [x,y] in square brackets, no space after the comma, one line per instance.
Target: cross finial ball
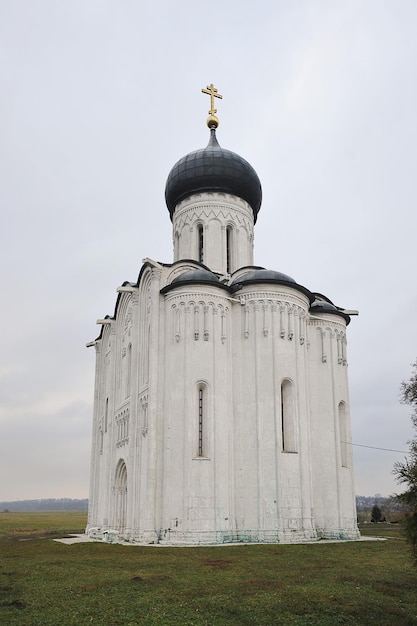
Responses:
[212,120]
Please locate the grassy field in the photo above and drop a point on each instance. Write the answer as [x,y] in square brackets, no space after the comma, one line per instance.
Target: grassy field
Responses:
[43,582]
[41,524]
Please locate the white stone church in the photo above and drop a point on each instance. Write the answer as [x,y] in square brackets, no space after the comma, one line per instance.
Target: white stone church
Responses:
[221,408]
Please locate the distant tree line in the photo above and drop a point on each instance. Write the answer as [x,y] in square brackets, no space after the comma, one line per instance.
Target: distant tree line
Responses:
[380,509]
[48,504]
[391,509]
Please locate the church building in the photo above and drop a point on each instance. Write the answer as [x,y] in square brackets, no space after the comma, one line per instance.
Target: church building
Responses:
[221,407]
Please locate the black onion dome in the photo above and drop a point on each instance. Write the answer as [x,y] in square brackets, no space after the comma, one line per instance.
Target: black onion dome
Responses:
[320,306]
[194,277]
[269,276]
[213,169]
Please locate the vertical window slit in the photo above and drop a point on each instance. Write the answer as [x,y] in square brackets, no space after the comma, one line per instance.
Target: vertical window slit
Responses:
[228,250]
[200,421]
[200,233]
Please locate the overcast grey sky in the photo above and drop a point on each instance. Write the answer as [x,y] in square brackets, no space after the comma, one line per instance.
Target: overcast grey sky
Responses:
[99,100]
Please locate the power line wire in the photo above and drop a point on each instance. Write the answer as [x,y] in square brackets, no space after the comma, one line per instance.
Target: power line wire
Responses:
[361,445]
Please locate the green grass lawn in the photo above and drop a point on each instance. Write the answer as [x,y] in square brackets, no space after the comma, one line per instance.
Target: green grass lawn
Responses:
[45,582]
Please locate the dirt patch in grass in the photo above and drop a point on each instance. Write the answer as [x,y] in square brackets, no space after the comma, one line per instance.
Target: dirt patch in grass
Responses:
[217,563]
[152,579]
[15,604]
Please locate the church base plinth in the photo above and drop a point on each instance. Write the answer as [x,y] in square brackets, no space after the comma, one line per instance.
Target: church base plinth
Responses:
[220,537]
[339,534]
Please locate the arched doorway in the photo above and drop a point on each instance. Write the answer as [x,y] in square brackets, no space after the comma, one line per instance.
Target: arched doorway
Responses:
[120,495]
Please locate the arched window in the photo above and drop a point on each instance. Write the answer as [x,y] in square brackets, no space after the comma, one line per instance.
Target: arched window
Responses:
[229,242]
[200,242]
[288,429]
[202,420]
[343,435]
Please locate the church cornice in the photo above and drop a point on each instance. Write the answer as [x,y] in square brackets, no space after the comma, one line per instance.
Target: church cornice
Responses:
[198,297]
[326,322]
[274,297]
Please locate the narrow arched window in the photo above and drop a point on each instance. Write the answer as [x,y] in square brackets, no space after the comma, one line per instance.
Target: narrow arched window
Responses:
[202,420]
[288,430]
[343,434]
[200,242]
[229,262]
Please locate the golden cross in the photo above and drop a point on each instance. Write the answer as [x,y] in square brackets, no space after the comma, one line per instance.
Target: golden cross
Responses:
[212,92]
